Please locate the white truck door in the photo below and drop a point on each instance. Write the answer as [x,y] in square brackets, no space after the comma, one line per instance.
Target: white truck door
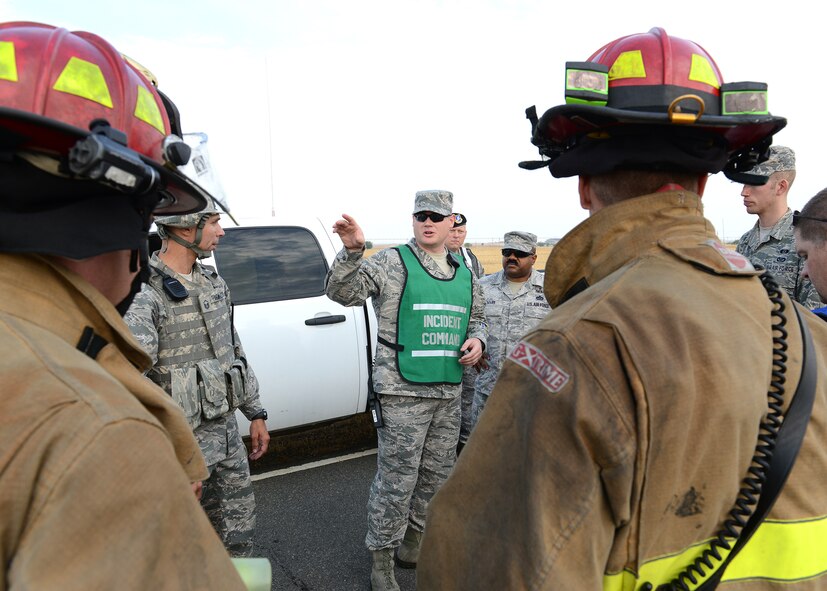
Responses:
[308,352]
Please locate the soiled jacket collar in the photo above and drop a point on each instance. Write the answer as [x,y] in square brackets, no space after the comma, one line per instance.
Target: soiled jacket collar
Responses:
[621,233]
[28,281]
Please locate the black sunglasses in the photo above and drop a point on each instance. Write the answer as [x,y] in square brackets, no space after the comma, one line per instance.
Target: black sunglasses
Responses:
[424,215]
[797,217]
[507,252]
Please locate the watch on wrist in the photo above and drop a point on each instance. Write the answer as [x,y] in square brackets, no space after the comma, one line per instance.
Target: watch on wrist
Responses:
[262,414]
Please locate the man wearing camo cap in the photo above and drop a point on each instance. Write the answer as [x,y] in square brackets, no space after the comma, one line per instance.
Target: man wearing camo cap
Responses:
[514,304]
[456,244]
[770,242]
[182,317]
[431,325]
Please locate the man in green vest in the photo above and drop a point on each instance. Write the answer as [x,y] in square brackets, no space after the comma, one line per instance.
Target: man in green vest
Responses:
[430,311]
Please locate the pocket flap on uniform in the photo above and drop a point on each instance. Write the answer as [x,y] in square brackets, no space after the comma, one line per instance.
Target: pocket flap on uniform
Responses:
[184,390]
[212,380]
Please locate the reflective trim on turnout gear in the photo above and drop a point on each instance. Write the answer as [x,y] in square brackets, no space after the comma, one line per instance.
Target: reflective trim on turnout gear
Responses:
[782,551]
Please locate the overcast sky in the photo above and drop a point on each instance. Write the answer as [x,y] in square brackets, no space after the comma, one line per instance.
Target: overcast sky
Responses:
[323,107]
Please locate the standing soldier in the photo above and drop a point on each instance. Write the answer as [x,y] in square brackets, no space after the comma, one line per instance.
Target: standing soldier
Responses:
[430,312]
[630,432]
[769,243]
[514,304]
[98,465]
[183,318]
[456,245]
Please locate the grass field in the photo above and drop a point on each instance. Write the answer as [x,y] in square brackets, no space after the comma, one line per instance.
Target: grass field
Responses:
[491,258]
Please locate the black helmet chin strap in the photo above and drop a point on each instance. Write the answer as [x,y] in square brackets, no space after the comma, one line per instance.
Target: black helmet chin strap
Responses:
[141,277]
[139,257]
[193,246]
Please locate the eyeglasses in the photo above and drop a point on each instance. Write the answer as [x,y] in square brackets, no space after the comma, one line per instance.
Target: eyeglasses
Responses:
[797,217]
[507,252]
[424,215]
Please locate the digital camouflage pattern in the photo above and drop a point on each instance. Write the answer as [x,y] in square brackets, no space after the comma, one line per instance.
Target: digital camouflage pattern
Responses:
[522,241]
[778,256]
[228,498]
[407,447]
[441,202]
[193,348]
[781,159]
[416,452]
[469,376]
[509,316]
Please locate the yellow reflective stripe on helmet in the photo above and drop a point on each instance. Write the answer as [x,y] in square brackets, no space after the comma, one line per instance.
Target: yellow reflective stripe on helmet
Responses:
[783,551]
[146,109]
[84,79]
[702,71]
[628,64]
[8,61]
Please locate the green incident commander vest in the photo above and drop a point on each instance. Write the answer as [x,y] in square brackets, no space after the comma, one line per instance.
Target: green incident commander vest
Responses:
[432,322]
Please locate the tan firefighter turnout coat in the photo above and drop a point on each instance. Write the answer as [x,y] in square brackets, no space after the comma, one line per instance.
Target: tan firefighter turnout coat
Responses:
[615,441]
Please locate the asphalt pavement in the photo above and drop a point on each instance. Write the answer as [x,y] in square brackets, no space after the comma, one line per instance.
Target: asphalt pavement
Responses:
[311,523]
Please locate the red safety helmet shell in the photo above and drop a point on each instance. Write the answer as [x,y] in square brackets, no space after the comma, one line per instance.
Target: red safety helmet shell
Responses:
[647,72]
[54,83]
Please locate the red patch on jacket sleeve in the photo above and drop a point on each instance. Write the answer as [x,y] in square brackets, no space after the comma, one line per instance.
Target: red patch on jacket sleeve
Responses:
[545,370]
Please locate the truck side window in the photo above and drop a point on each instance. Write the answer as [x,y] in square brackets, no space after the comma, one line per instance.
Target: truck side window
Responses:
[266,264]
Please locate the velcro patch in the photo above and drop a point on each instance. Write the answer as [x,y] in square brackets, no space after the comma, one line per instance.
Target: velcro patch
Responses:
[549,374]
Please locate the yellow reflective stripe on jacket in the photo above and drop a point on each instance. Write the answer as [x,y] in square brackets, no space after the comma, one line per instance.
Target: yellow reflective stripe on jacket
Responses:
[784,551]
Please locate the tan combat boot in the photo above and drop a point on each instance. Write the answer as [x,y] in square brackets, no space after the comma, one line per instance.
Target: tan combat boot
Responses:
[408,552]
[381,575]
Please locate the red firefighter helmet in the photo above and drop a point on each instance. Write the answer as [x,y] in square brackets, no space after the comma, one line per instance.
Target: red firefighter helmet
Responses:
[56,86]
[653,101]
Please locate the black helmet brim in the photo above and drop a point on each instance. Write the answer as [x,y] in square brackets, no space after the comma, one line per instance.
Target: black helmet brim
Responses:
[590,139]
[21,130]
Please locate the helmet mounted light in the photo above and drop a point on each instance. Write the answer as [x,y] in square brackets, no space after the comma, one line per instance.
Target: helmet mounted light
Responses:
[103,156]
[651,101]
[57,86]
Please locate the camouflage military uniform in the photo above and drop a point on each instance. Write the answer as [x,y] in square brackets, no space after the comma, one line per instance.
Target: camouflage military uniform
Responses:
[509,317]
[469,374]
[777,254]
[417,445]
[193,347]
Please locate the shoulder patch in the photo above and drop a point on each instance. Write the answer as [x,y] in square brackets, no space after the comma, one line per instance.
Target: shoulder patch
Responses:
[709,254]
[735,260]
[534,360]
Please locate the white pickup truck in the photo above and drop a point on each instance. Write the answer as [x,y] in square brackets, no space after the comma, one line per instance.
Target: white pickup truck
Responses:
[310,354]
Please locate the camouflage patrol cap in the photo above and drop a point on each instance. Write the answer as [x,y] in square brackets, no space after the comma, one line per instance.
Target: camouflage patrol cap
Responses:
[459,220]
[441,202]
[522,241]
[781,158]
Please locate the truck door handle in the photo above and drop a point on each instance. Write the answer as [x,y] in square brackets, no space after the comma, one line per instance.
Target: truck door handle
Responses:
[330,319]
